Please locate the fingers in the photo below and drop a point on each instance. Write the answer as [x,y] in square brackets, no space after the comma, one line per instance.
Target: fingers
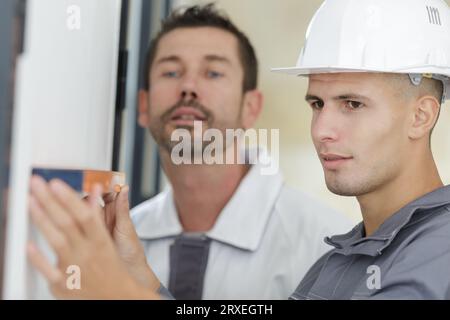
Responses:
[55,237]
[45,203]
[104,206]
[110,216]
[95,194]
[40,262]
[51,206]
[105,211]
[122,204]
[116,209]
[109,197]
[86,215]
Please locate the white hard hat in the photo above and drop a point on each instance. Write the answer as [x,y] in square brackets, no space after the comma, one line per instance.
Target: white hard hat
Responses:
[394,36]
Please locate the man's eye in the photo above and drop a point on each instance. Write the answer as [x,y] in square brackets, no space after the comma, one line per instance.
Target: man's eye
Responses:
[353,104]
[214,74]
[170,74]
[317,104]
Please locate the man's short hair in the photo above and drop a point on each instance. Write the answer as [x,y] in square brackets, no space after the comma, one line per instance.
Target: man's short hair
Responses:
[206,16]
[427,86]
[430,87]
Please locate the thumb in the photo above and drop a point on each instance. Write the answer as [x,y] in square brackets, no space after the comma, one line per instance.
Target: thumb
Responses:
[123,206]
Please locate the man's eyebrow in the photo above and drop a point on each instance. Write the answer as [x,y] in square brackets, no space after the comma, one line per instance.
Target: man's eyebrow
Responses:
[310,97]
[209,58]
[350,96]
[215,57]
[171,58]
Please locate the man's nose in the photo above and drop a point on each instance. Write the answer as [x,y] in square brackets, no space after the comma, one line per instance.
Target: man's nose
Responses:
[325,124]
[189,94]
[189,86]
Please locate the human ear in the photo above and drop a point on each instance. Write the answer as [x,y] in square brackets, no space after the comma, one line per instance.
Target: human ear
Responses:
[143,116]
[251,108]
[424,117]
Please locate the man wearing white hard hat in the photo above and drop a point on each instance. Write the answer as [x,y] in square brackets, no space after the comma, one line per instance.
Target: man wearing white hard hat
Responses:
[378,72]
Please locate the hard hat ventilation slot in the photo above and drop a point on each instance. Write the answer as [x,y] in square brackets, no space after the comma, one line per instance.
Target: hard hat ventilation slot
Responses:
[434,16]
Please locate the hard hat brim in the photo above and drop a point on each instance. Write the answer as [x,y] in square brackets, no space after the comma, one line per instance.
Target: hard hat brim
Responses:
[445,72]
[322,69]
[313,70]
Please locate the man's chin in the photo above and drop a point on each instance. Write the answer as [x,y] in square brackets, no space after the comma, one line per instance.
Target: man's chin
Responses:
[349,189]
[341,189]
[187,127]
[340,192]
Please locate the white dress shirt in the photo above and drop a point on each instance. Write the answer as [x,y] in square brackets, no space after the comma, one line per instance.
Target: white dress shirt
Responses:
[263,242]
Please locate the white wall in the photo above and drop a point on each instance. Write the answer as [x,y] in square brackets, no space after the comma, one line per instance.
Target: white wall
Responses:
[64,112]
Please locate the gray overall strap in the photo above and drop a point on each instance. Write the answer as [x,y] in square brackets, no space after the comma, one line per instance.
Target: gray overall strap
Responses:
[188,260]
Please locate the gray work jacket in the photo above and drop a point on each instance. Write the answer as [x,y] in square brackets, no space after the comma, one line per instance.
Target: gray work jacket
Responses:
[408,257]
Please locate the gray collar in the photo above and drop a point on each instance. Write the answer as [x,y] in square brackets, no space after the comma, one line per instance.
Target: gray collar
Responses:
[354,241]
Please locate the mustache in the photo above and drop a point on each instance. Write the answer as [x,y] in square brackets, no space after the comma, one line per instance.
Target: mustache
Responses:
[193,103]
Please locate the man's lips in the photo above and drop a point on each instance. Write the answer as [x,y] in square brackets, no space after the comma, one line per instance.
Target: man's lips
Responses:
[333,161]
[186,115]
